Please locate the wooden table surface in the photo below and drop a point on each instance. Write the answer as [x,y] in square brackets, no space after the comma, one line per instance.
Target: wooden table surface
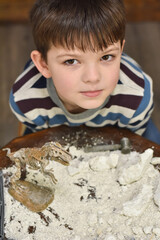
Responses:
[79,137]
[137,10]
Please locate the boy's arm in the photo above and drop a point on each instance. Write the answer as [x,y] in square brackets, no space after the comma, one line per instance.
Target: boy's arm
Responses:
[25,100]
[138,85]
[21,117]
[142,117]
[152,133]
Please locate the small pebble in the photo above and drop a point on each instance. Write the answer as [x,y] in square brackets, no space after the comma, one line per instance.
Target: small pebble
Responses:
[120,236]
[76,238]
[129,221]
[147,230]
[92,219]
[109,229]
[156,231]
[110,221]
[101,221]
[110,237]
[137,230]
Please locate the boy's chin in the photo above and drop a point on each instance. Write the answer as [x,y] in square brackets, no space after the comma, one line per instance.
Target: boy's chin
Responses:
[82,107]
[92,106]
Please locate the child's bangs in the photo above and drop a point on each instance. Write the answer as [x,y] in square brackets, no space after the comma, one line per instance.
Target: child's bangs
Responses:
[93,38]
[86,25]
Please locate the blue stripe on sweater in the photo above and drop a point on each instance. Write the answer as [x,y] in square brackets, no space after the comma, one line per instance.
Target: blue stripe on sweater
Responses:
[99,119]
[137,68]
[14,105]
[146,98]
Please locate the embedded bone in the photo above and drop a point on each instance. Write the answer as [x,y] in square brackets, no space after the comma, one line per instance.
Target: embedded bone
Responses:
[130,172]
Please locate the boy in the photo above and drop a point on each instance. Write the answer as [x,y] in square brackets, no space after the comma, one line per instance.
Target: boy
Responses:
[79,73]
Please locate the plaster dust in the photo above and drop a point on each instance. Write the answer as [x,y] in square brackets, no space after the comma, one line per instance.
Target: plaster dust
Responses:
[100,196]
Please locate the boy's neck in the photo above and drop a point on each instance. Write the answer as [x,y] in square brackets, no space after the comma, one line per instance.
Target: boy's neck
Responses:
[73,109]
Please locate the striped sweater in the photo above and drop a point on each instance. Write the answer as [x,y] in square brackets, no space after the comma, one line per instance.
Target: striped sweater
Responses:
[34,101]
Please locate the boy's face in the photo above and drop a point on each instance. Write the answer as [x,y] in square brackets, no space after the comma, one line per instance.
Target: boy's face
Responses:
[84,80]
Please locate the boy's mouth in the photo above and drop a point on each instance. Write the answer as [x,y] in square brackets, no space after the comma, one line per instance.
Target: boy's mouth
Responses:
[92,93]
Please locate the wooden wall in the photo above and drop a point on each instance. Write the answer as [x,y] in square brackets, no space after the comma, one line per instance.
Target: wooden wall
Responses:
[137,10]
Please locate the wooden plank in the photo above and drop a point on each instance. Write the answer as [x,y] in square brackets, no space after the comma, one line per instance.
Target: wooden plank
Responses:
[143,10]
[15,10]
[137,10]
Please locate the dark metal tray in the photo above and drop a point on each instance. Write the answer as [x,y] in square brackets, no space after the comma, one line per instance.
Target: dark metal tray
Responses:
[1,207]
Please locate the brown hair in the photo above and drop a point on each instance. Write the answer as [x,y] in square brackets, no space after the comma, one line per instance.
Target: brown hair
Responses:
[86,24]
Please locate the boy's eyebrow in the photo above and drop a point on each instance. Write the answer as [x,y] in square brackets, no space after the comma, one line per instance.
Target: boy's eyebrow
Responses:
[109,49]
[67,55]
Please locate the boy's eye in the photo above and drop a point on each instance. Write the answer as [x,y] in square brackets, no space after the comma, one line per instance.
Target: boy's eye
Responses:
[70,62]
[107,58]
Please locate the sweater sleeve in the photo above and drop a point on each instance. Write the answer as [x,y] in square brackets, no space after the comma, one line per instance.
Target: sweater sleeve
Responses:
[29,99]
[20,116]
[142,115]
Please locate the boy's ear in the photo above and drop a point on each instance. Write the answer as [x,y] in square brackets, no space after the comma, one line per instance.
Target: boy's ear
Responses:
[123,45]
[40,63]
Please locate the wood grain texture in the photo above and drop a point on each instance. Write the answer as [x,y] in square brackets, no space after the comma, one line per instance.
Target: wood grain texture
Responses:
[137,10]
[15,46]
[142,10]
[15,10]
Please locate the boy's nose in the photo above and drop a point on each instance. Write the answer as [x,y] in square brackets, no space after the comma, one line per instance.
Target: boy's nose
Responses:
[91,74]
